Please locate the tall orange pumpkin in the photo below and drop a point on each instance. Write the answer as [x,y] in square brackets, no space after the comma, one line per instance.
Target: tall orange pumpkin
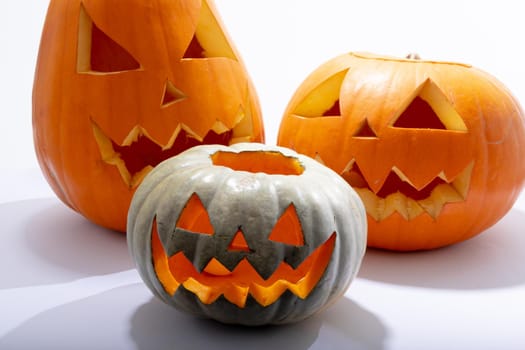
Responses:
[122,85]
[436,150]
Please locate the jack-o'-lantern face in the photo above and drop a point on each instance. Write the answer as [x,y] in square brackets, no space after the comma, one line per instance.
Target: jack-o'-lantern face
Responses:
[416,177]
[422,142]
[248,234]
[238,265]
[121,86]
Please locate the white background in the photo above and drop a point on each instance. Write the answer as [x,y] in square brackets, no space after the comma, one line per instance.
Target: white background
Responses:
[469,296]
[282,41]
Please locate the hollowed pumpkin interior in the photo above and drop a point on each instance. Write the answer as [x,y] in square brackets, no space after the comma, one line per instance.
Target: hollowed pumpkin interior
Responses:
[98,53]
[209,40]
[235,285]
[243,280]
[139,153]
[398,195]
[269,162]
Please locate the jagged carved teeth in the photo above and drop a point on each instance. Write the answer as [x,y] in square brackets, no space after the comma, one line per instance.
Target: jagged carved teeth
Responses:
[243,280]
[139,152]
[398,194]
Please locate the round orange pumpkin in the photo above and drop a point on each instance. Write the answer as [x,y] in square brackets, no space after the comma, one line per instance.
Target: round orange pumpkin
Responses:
[436,150]
[122,85]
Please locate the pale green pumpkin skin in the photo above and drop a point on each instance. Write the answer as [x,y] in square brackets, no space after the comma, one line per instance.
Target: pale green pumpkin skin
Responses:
[324,203]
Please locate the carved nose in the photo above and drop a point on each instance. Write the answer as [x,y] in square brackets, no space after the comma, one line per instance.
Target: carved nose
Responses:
[238,243]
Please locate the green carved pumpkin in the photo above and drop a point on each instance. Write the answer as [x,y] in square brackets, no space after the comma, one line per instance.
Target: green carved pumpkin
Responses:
[247,234]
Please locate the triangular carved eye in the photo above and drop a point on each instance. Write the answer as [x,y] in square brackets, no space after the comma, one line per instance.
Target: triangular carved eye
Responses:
[194,217]
[288,228]
[429,109]
[333,111]
[323,100]
[209,39]
[97,52]
[419,115]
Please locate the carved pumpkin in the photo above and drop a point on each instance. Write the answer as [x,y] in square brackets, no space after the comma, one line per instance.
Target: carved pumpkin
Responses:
[434,149]
[123,85]
[247,234]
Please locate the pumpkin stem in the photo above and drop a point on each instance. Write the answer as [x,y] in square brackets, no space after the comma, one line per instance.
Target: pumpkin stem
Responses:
[413,56]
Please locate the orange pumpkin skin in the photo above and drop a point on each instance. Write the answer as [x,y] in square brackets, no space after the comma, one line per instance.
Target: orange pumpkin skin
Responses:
[122,85]
[436,150]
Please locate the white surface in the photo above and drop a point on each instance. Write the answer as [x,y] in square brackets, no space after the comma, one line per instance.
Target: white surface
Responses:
[67,284]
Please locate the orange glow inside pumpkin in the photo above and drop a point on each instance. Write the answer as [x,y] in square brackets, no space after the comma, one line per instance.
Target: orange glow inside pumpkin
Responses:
[273,163]
[243,280]
[216,280]
[194,218]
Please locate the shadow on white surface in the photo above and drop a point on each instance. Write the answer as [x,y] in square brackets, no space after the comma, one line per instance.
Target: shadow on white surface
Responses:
[346,325]
[130,318]
[44,242]
[493,259]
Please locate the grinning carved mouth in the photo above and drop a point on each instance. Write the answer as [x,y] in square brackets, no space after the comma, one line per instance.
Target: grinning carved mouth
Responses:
[139,152]
[398,194]
[216,280]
